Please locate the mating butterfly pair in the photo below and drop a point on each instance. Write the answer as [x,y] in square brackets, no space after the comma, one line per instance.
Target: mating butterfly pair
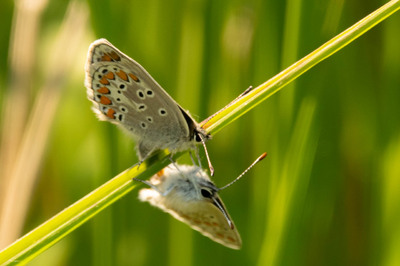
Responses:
[124,93]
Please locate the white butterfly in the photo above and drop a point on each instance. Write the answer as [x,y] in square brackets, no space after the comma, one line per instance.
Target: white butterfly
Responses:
[188,194]
[124,93]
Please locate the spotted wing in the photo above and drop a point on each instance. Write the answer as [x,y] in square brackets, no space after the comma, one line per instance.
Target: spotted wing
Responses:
[124,93]
[209,221]
[201,216]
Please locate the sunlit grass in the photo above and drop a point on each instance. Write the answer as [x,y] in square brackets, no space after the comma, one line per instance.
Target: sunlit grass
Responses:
[325,194]
[391,202]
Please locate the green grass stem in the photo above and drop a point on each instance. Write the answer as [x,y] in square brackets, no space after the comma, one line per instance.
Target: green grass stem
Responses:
[53,230]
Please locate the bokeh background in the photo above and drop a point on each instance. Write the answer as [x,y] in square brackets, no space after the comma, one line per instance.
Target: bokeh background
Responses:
[328,192]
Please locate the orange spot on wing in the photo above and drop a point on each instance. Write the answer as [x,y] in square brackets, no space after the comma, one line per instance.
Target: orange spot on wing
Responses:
[104,81]
[106,57]
[231,239]
[109,75]
[197,221]
[122,75]
[103,90]
[115,56]
[220,235]
[105,100]
[111,113]
[215,224]
[185,216]
[133,77]
[207,223]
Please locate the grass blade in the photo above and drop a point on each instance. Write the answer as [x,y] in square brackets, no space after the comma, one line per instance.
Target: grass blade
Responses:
[65,222]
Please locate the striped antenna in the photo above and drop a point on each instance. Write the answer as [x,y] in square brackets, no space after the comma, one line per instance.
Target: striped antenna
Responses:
[262,156]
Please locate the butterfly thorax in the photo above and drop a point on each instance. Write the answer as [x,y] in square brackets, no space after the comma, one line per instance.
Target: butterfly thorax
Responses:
[185,184]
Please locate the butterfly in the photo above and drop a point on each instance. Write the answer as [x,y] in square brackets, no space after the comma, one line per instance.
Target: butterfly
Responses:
[125,94]
[189,195]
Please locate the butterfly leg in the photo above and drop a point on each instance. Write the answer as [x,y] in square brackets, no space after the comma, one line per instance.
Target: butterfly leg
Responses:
[191,158]
[197,153]
[176,166]
[147,183]
[196,150]
[154,187]
[171,159]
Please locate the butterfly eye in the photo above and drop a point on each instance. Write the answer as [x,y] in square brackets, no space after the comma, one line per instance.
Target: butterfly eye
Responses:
[205,193]
[197,138]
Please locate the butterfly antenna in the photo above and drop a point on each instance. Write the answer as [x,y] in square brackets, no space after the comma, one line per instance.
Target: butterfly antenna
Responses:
[208,157]
[262,156]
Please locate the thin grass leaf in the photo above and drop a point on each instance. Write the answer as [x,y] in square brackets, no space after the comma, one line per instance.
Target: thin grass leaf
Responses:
[270,87]
[65,222]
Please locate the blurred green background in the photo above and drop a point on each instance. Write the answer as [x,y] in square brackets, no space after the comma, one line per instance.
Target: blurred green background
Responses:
[328,192]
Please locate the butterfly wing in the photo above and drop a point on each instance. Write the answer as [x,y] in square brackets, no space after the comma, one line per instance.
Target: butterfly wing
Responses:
[200,215]
[124,93]
[208,220]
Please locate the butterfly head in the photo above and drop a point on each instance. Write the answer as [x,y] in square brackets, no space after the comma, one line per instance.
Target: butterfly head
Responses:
[209,192]
[200,135]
